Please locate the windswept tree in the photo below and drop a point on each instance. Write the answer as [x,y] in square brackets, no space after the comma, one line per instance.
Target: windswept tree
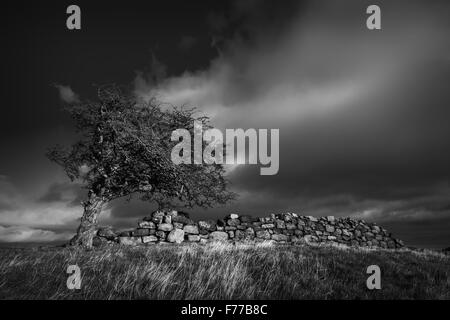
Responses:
[124,149]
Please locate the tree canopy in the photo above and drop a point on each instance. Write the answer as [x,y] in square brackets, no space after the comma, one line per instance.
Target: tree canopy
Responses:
[124,149]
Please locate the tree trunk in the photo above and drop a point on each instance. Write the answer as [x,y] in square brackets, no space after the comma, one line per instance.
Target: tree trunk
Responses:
[88,226]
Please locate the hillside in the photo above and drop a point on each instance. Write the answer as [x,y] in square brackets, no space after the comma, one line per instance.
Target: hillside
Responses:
[223,271]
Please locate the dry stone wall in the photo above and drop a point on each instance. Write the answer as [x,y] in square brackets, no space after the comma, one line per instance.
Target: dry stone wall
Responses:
[164,227]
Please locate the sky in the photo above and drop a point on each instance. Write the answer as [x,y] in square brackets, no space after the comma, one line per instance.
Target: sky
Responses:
[363,114]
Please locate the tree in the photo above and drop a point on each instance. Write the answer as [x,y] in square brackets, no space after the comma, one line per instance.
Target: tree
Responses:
[124,149]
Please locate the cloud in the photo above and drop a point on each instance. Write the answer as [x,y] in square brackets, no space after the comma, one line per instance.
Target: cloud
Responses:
[66,93]
[27,234]
[65,192]
[187,42]
[55,209]
[362,114]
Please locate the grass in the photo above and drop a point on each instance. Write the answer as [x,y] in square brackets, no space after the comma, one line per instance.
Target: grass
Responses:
[223,271]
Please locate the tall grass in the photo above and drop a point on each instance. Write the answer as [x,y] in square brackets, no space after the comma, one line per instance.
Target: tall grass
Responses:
[223,271]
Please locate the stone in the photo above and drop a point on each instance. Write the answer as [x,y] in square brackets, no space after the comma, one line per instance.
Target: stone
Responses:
[282,228]
[177,225]
[172,213]
[239,234]
[168,219]
[280,224]
[249,233]
[106,233]
[176,235]
[279,237]
[234,216]
[130,241]
[291,226]
[263,234]
[208,225]
[157,216]
[99,241]
[247,219]
[347,233]
[190,229]
[161,234]
[146,224]
[182,219]
[310,238]
[218,236]
[193,238]
[233,222]
[165,227]
[126,233]
[148,239]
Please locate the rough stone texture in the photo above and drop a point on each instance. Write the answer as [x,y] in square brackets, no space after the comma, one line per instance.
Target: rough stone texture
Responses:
[176,235]
[146,224]
[191,229]
[165,227]
[218,236]
[209,225]
[148,239]
[107,233]
[130,241]
[193,238]
[288,228]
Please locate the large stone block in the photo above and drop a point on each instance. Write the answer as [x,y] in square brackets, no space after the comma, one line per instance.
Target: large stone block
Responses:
[165,227]
[107,233]
[148,239]
[176,235]
[279,237]
[190,229]
[218,236]
[193,238]
[263,234]
[182,219]
[233,222]
[208,225]
[146,224]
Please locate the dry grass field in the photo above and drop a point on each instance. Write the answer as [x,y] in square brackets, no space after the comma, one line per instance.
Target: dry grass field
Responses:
[223,271]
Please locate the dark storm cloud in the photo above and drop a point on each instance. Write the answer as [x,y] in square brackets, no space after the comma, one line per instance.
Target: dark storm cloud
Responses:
[187,42]
[66,192]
